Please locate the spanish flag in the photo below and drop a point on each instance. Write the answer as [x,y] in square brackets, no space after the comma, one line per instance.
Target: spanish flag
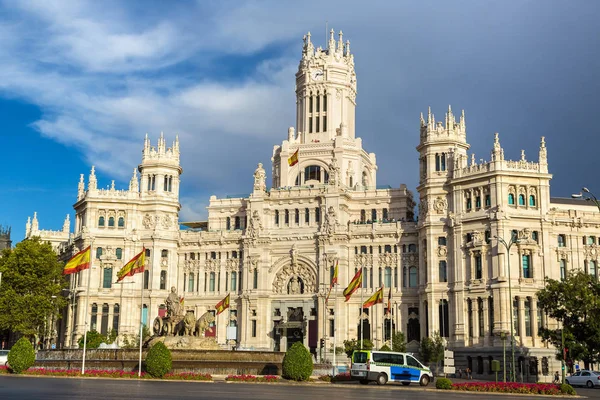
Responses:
[334,280]
[135,265]
[78,262]
[389,302]
[293,160]
[377,298]
[222,305]
[354,284]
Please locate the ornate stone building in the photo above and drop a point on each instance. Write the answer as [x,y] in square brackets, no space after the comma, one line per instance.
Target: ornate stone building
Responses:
[274,250]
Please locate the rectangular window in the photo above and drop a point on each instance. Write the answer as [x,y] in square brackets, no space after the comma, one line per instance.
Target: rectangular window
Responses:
[317,121]
[287,217]
[325,102]
[98,253]
[310,129]
[468,203]
[516,317]
[563,269]
[527,317]
[443,271]
[255,279]
[478,268]
[307,215]
[478,202]
[480,318]
[234,281]
[107,281]
[561,241]
[488,200]
[526,266]
[253,328]
[297,217]
[331,328]
[191,282]
[325,124]
[318,104]
[211,284]
[317,215]
[310,104]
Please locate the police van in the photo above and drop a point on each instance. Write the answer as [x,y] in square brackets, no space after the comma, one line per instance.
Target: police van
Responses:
[384,366]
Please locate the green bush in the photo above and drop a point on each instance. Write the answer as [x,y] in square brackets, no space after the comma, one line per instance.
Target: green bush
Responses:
[443,383]
[565,388]
[385,347]
[158,360]
[351,345]
[93,340]
[21,356]
[297,363]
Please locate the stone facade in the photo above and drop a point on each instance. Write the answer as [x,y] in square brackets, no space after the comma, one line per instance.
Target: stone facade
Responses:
[274,250]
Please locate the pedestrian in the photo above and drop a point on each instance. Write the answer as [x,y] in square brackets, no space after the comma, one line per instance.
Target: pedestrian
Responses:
[468,373]
[556,378]
[459,373]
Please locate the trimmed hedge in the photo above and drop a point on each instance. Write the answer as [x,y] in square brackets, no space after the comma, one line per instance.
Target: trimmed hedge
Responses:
[21,356]
[565,388]
[297,363]
[158,360]
[443,383]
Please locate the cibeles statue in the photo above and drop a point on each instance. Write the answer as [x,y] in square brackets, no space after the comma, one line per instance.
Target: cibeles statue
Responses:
[260,179]
[172,303]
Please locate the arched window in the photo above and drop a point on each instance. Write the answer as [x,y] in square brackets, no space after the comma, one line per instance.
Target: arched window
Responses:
[531,200]
[561,241]
[306,215]
[387,278]
[387,248]
[443,161]
[287,217]
[563,269]
[312,173]
[478,267]
[412,272]
[111,221]
[211,283]
[228,223]
[443,271]
[121,222]
[107,281]
[234,281]
[521,199]
[404,277]
[163,280]
[412,248]
[363,216]
[115,326]
[145,315]
[384,215]
[488,200]
[255,279]
[511,199]
[297,216]
[119,253]
[94,321]
[528,316]
[437,162]
[98,252]
[104,322]
[101,221]
[373,215]
[191,282]
[237,223]
[277,217]
[164,253]
[365,277]
[317,215]
[365,179]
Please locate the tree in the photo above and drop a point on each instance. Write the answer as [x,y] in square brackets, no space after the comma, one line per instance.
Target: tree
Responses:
[398,342]
[31,287]
[575,303]
[351,345]
[432,349]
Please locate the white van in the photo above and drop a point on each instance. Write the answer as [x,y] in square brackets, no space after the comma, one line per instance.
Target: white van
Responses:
[384,366]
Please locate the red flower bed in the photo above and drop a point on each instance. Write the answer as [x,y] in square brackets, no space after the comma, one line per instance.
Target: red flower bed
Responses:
[252,378]
[508,387]
[100,373]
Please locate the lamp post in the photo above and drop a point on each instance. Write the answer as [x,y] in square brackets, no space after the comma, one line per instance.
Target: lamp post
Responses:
[513,240]
[589,196]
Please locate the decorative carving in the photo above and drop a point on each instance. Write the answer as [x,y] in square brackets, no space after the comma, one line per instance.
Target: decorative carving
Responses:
[334,173]
[440,204]
[173,303]
[254,227]
[260,179]
[442,251]
[294,255]
[330,221]
[166,221]
[149,221]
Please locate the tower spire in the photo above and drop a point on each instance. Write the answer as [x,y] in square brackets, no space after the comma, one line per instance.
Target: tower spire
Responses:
[67,224]
[81,187]
[331,44]
[133,183]
[93,182]
[497,151]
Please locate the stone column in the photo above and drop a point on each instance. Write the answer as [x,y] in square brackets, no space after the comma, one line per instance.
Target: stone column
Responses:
[521,314]
[475,310]
[534,322]
[486,322]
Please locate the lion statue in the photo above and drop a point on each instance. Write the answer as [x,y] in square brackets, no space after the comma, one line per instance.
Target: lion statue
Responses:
[189,324]
[204,322]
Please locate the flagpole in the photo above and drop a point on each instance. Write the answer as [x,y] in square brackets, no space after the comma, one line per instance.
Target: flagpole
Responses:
[335,311]
[362,326]
[141,313]
[87,299]
[391,310]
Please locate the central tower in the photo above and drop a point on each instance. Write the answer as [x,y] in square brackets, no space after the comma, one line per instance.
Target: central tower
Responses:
[324,140]
[325,91]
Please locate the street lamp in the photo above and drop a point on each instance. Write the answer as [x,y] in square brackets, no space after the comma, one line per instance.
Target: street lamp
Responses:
[513,240]
[589,196]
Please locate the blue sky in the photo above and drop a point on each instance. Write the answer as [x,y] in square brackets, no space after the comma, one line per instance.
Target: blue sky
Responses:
[82,82]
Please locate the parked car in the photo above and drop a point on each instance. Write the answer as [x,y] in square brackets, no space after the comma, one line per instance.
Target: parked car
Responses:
[387,366]
[4,357]
[584,377]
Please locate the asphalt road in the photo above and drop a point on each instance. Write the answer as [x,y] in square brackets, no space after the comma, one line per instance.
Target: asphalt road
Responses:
[30,388]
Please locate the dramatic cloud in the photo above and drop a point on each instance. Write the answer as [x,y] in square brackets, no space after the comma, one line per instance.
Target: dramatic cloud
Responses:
[221,75]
